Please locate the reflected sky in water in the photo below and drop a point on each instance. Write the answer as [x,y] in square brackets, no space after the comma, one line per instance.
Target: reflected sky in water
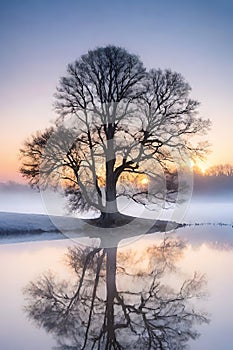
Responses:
[149,277]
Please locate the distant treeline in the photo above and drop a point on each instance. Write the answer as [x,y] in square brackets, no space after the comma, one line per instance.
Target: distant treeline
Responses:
[216,170]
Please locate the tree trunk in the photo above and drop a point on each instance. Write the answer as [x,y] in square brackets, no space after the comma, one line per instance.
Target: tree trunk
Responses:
[111,209]
[111,213]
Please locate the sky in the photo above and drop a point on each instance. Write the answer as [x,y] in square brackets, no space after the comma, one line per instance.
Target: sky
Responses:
[39,38]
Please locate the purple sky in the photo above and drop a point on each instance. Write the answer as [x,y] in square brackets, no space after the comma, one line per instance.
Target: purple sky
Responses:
[39,38]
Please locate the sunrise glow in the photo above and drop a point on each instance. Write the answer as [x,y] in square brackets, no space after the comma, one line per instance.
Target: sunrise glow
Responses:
[144,181]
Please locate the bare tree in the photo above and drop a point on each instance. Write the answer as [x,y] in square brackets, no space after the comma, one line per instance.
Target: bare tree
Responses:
[136,310]
[115,118]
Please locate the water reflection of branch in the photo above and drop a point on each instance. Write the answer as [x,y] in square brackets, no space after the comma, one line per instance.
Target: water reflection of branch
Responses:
[113,303]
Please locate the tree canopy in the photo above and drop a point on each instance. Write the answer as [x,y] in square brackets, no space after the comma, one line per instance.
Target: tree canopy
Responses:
[121,130]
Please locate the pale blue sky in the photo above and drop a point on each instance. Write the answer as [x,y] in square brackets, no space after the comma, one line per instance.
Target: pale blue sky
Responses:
[39,38]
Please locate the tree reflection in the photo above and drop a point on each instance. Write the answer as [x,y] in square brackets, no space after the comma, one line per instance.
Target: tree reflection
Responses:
[119,300]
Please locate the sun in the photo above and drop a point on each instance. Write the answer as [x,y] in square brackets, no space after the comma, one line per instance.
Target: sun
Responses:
[144,181]
[199,167]
[203,169]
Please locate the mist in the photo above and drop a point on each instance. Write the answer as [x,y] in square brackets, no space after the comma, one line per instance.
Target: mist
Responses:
[19,198]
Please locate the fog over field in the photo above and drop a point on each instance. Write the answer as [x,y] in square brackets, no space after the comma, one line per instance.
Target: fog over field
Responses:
[211,202]
[20,198]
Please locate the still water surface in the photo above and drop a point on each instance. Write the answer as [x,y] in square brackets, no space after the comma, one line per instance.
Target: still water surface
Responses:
[143,294]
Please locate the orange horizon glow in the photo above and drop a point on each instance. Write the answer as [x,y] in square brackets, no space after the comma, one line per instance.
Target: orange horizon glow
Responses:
[9,171]
[199,166]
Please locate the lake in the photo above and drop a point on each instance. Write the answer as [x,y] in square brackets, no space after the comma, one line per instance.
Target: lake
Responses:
[154,287]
